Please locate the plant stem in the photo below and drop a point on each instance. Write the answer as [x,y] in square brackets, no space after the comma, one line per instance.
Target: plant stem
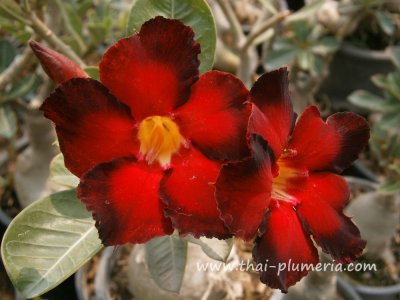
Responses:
[43,31]
[236,28]
[263,27]
[70,28]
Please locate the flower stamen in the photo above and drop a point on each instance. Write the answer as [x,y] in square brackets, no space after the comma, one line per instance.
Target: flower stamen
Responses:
[159,139]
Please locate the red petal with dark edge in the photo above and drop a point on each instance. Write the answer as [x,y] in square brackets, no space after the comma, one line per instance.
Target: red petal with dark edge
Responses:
[188,193]
[92,126]
[124,198]
[285,247]
[152,71]
[215,118]
[274,117]
[321,209]
[57,66]
[333,145]
[243,191]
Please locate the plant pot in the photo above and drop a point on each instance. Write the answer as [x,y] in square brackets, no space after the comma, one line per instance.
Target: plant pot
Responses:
[370,292]
[135,280]
[351,69]
[378,293]
[383,220]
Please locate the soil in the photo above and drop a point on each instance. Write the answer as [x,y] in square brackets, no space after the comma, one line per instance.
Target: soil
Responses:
[119,280]
[383,276]
[254,289]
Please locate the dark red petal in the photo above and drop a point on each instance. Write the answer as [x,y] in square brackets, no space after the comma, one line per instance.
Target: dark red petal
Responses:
[57,66]
[92,126]
[188,192]
[153,70]
[321,209]
[284,244]
[333,145]
[215,118]
[274,117]
[243,191]
[124,198]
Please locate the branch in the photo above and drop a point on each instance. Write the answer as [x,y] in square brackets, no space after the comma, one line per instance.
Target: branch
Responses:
[16,68]
[43,31]
[263,27]
[236,28]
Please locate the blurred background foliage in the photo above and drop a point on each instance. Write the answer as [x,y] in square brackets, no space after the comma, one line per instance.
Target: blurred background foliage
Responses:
[341,54]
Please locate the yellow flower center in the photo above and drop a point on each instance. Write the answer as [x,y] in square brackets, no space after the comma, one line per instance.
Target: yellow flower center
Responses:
[287,180]
[159,139]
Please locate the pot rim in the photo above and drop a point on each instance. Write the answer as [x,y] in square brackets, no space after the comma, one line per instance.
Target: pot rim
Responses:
[366,54]
[369,289]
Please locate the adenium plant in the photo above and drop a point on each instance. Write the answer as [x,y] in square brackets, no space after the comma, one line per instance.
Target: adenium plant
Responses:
[159,148]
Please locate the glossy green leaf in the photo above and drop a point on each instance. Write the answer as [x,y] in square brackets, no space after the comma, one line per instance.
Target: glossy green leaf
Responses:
[213,248]
[368,101]
[166,261]
[194,13]
[385,23]
[8,122]
[60,174]
[278,58]
[7,54]
[21,88]
[47,242]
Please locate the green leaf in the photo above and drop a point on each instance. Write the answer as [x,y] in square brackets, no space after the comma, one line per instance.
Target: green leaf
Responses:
[380,81]
[21,88]
[166,261]
[390,120]
[213,248]
[393,80]
[278,58]
[385,23]
[305,59]
[8,122]
[390,187]
[194,13]
[47,242]
[326,45]
[93,72]
[395,55]
[367,100]
[7,54]
[11,10]
[60,174]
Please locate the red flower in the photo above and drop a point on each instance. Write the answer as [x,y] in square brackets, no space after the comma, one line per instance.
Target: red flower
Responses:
[290,189]
[150,138]
[57,66]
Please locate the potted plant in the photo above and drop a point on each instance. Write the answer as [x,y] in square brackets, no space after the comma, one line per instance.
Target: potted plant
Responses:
[380,206]
[366,29]
[135,139]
